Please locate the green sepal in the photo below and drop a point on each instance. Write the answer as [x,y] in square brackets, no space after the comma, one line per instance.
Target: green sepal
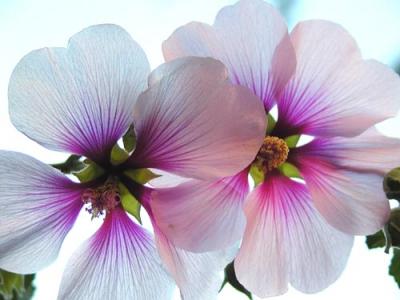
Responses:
[391,184]
[72,164]
[118,155]
[376,240]
[141,176]
[91,172]
[291,141]
[15,286]
[257,174]
[394,269]
[270,124]
[129,140]
[230,277]
[289,170]
[129,202]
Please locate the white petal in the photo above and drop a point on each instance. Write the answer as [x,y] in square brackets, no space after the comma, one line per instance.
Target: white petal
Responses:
[200,215]
[79,99]
[250,38]
[119,262]
[188,121]
[286,240]
[38,206]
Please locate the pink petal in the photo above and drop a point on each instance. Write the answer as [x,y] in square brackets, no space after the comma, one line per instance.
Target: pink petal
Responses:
[79,99]
[198,275]
[202,216]
[188,121]
[38,206]
[118,262]
[286,240]
[350,200]
[333,91]
[250,38]
[369,152]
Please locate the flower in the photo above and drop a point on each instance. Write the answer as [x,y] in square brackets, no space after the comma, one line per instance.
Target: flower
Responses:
[82,99]
[297,231]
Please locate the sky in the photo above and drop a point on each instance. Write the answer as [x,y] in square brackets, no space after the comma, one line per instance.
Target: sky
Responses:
[27,25]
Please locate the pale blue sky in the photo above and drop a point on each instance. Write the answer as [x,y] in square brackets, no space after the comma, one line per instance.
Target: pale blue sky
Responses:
[27,25]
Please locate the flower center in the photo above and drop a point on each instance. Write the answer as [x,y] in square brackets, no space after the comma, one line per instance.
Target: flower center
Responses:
[102,199]
[272,154]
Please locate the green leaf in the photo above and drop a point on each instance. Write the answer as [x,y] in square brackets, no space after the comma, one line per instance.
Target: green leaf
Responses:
[118,155]
[394,269]
[129,202]
[289,170]
[91,172]
[129,140]
[270,124]
[230,277]
[376,240]
[72,164]
[257,174]
[291,141]
[393,227]
[391,184]
[141,176]
[15,286]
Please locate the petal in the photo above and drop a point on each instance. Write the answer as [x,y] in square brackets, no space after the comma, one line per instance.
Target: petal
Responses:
[38,206]
[202,215]
[369,152]
[262,61]
[118,262]
[286,240]
[198,275]
[333,91]
[351,201]
[79,99]
[191,119]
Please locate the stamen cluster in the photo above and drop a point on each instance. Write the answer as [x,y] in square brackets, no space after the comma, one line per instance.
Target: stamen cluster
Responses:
[272,154]
[102,199]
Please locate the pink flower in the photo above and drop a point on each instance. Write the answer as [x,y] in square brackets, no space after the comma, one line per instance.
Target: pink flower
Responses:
[82,99]
[296,232]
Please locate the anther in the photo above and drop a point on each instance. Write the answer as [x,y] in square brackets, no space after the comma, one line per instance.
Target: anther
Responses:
[272,154]
[102,199]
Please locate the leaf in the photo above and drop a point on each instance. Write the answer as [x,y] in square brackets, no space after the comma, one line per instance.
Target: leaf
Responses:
[394,269]
[72,164]
[15,286]
[141,176]
[91,172]
[393,227]
[376,240]
[118,155]
[129,139]
[257,174]
[391,184]
[230,277]
[289,170]
[270,124]
[129,202]
[291,141]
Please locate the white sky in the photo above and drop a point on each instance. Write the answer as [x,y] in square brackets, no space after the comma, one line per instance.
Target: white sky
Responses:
[27,25]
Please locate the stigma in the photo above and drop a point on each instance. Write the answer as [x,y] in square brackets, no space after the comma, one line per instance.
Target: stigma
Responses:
[102,199]
[273,153]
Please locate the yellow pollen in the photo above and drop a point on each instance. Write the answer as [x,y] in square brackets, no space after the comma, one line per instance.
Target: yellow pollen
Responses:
[272,154]
[102,199]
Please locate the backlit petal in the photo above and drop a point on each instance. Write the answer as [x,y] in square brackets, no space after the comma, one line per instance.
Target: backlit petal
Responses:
[118,262]
[286,240]
[195,124]
[38,206]
[79,99]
